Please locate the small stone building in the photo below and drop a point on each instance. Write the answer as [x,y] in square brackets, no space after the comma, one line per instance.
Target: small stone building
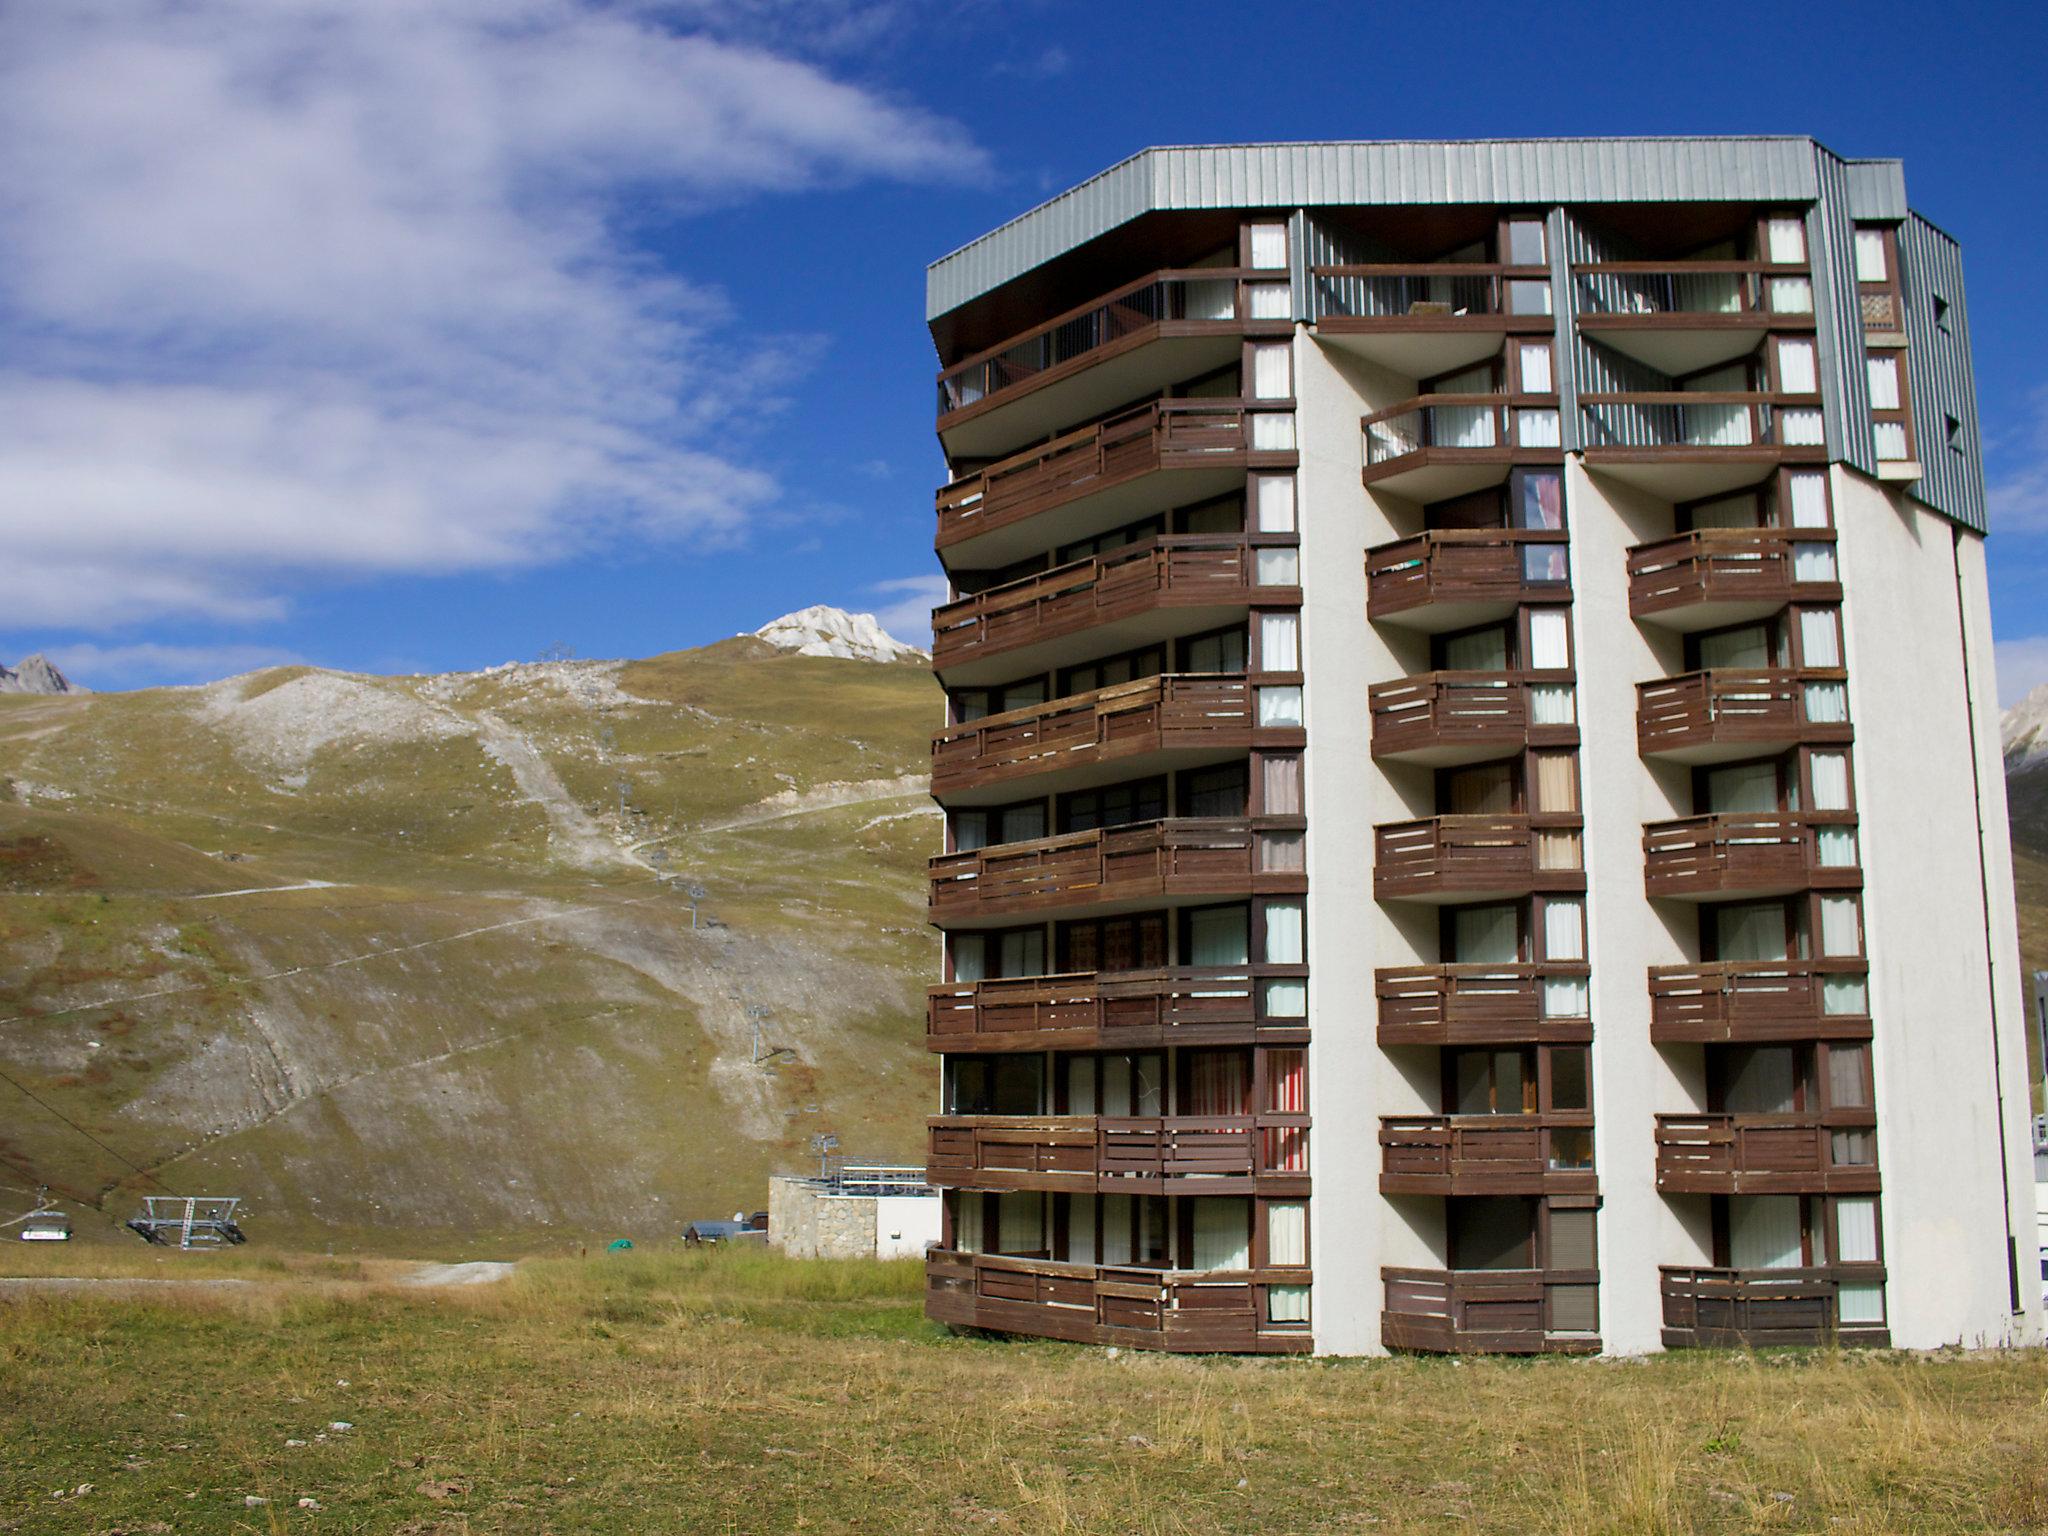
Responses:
[857,1212]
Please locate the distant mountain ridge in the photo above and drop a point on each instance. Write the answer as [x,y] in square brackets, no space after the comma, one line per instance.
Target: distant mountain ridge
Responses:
[823,631]
[2023,732]
[37,674]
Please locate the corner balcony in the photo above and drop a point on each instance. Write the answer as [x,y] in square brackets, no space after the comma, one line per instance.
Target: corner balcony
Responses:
[1713,577]
[1436,446]
[1454,578]
[1119,1010]
[1177,860]
[1490,1311]
[1165,453]
[1448,1005]
[1442,719]
[1129,343]
[1132,1307]
[1133,596]
[1680,317]
[1156,723]
[1487,1154]
[1445,859]
[1765,1154]
[1759,1002]
[1420,320]
[1741,857]
[1706,1308]
[1130,1155]
[1681,445]
[1725,713]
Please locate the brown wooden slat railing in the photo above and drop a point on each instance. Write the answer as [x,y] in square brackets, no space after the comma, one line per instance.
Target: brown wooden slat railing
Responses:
[1080,1152]
[1728,706]
[1499,1311]
[1451,855]
[1161,434]
[1486,1154]
[1463,565]
[1154,714]
[1474,1004]
[1752,1000]
[1762,1307]
[1732,854]
[1723,565]
[1201,298]
[1220,1311]
[1472,709]
[1182,1005]
[1760,1153]
[1004,1151]
[1177,571]
[1189,856]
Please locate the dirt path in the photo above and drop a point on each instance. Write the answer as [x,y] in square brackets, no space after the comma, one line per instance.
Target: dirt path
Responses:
[107,1283]
[481,1272]
[571,831]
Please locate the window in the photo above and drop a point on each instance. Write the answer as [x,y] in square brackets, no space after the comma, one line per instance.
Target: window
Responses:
[1571,1084]
[1117,805]
[1490,1232]
[1785,241]
[1484,936]
[1841,927]
[1820,642]
[1273,503]
[1528,296]
[1220,652]
[1272,372]
[1873,262]
[1217,936]
[1279,642]
[1113,944]
[1280,708]
[1808,492]
[1830,775]
[1280,786]
[1538,500]
[1273,431]
[1534,363]
[1286,1233]
[1790,295]
[1889,438]
[1493,1083]
[1550,639]
[1283,922]
[1797,373]
[1940,312]
[1883,371]
[1526,244]
[1564,929]
[1277,567]
[1952,431]
[1269,246]
[1220,791]
[1555,780]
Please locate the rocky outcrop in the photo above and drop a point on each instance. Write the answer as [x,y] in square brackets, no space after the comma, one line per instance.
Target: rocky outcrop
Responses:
[823,631]
[38,674]
[2024,733]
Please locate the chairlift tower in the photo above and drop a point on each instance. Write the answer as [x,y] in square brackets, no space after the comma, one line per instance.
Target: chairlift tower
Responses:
[191,1221]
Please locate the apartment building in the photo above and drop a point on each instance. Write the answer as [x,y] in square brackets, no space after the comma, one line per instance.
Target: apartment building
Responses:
[1473,805]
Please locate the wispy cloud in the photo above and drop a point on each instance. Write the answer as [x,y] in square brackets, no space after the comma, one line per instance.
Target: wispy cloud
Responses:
[344,287]
[2018,480]
[146,664]
[2022,667]
[907,610]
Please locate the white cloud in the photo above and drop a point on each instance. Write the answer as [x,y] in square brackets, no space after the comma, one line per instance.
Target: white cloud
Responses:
[345,286]
[2022,667]
[2018,482]
[909,616]
[143,665]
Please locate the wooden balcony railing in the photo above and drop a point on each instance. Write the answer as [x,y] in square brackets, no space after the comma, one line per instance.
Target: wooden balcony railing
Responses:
[1683,423]
[1452,429]
[1482,1004]
[1469,716]
[1155,714]
[1701,857]
[1182,856]
[1136,1010]
[1159,435]
[1489,1311]
[1011,1152]
[1686,293]
[1759,1154]
[1467,857]
[1464,566]
[1154,1154]
[1736,707]
[1486,1154]
[1432,295]
[1757,1308]
[1763,568]
[1178,571]
[1192,301]
[1756,1001]
[1215,1311]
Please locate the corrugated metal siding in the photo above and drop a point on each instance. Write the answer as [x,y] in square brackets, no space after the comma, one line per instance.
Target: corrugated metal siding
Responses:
[1838,317]
[1324,246]
[1877,190]
[1541,172]
[1569,241]
[1938,365]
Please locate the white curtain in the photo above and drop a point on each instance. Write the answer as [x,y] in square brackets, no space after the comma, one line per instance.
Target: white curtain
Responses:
[1830,772]
[1273,431]
[1219,936]
[1484,936]
[1763,1081]
[1552,704]
[1537,429]
[1737,511]
[1747,789]
[1835,847]
[1839,935]
[970,958]
[1286,998]
[1287,1303]
[967,1236]
[1550,645]
[1809,499]
[1813,562]
[1856,1231]
[1799,426]
[1279,642]
[1465,426]
[1785,241]
[1884,382]
[1871,266]
[1483,650]
[1269,246]
[1535,364]
[1844,994]
[1284,933]
[1273,500]
[1819,639]
[1564,930]
[1763,1231]
[1222,1233]
[1889,438]
[1797,373]
[1278,567]
[1280,706]
[1566,997]
[1860,1304]
[1751,931]
[1080,1226]
[1287,1232]
[1270,301]
[1791,296]
[1826,703]
[1272,371]
[1718,426]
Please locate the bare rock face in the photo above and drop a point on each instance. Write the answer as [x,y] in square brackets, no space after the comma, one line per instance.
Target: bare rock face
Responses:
[38,674]
[823,631]
[2024,733]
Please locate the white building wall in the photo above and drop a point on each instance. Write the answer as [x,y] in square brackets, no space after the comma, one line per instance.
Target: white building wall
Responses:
[904,1224]
[1955,1179]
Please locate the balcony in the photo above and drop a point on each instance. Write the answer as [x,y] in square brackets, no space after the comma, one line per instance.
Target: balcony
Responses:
[1179,584]
[1680,445]
[1680,317]
[1163,328]
[1217,1311]
[1122,1010]
[1756,1002]
[1166,453]
[1489,1311]
[1441,719]
[1763,1154]
[1713,577]
[1437,1005]
[1436,446]
[1453,578]
[1428,319]
[1726,713]
[1487,1154]
[1117,869]
[1761,1308]
[1181,721]
[1141,1155]
[1477,858]
[1749,857]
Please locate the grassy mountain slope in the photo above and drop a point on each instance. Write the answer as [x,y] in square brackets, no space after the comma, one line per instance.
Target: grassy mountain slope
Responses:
[393,953]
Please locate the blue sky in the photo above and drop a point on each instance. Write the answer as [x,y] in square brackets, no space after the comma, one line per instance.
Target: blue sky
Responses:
[428,334]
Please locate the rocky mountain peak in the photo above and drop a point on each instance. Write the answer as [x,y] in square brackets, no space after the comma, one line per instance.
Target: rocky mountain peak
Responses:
[822,631]
[2024,732]
[38,674]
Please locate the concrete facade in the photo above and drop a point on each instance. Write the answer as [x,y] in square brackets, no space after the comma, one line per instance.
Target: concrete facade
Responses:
[807,1219]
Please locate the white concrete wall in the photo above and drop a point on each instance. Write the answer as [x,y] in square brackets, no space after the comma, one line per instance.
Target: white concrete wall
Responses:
[1919,659]
[904,1224]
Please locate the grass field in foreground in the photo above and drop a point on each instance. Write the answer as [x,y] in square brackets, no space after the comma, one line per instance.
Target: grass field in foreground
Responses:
[744,1393]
